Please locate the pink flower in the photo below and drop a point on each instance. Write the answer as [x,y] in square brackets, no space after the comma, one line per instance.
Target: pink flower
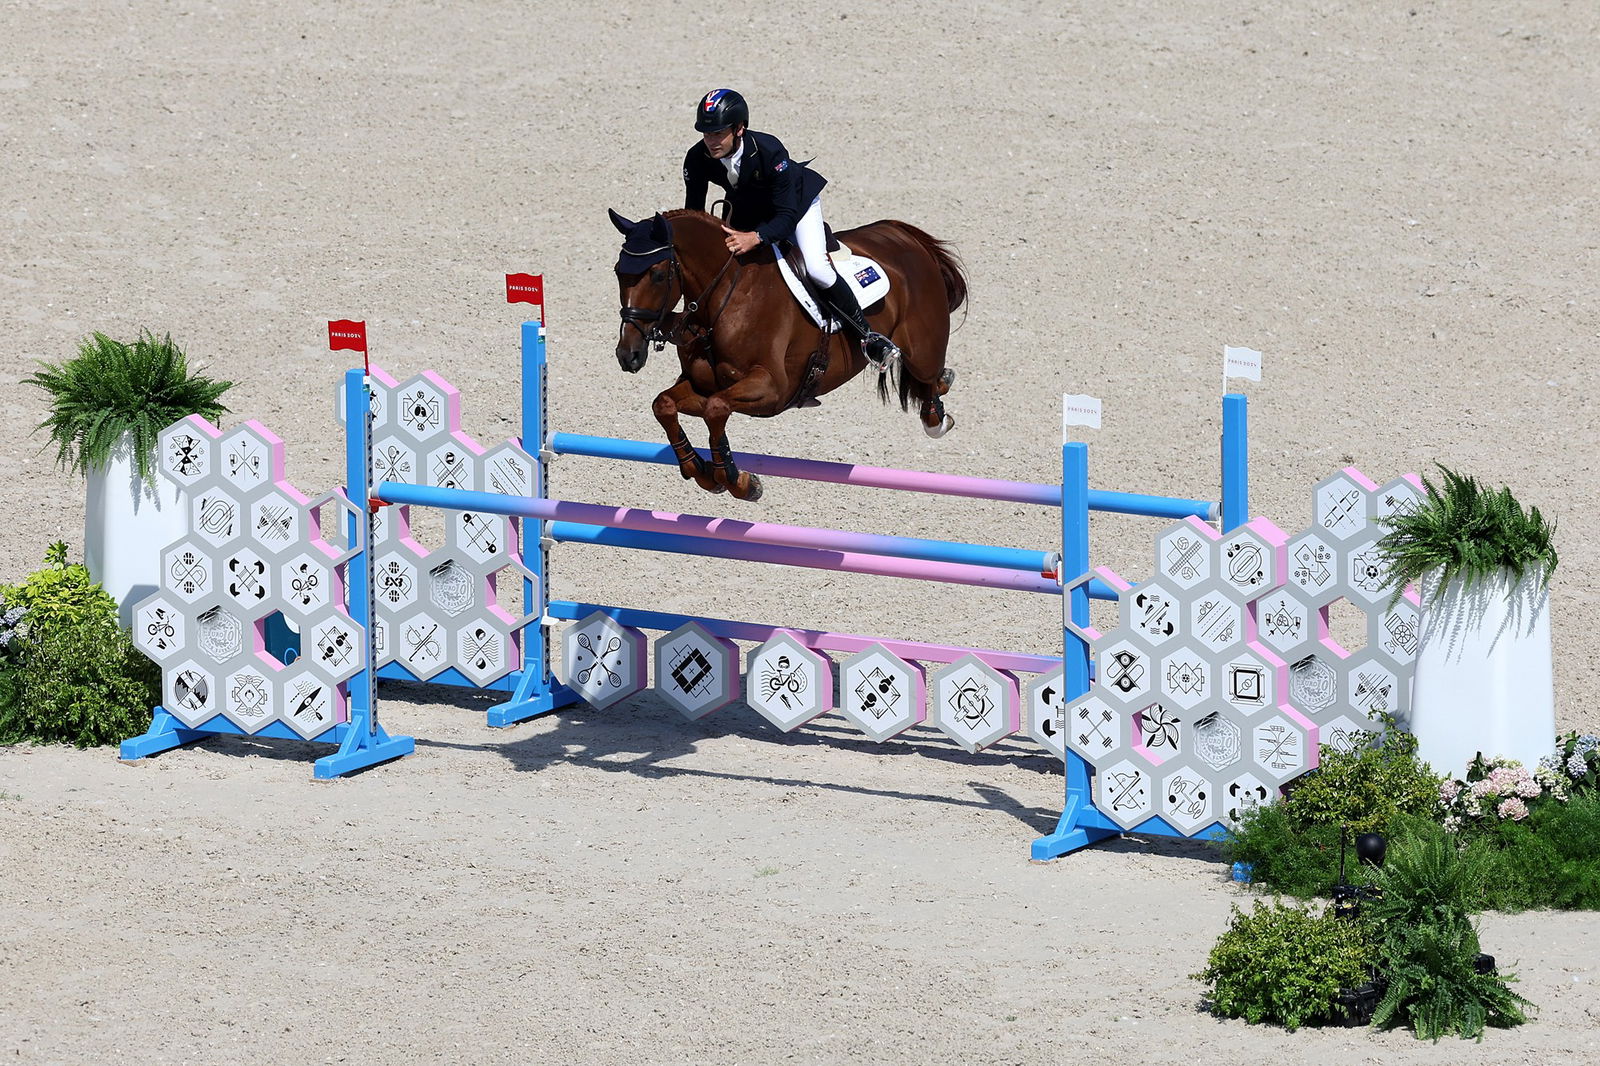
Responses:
[1512,808]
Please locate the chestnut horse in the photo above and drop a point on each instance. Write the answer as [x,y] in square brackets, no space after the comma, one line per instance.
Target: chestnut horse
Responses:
[745,344]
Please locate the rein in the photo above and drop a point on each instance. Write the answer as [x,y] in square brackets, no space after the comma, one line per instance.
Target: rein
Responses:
[659,337]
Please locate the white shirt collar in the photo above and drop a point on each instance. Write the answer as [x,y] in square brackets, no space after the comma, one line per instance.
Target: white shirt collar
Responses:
[731,161]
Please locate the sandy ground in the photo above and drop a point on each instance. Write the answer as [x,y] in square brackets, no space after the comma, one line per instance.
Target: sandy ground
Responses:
[1391,201]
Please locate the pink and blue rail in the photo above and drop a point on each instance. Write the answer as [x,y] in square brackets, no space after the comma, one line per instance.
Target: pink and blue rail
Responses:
[535,691]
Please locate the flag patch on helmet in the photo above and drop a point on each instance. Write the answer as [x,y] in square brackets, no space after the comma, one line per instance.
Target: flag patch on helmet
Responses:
[866,276]
[712,97]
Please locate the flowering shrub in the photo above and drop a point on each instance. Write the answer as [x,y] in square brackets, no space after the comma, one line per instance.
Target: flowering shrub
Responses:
[1494,789]
[1575,764]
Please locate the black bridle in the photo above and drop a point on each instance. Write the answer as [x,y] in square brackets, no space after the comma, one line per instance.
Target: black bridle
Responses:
[656,335]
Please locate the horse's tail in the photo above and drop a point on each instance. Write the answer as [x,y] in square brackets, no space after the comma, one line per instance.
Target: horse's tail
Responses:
[951,271]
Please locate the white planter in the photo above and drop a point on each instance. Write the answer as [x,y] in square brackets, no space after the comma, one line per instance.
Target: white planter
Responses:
[1484,680]
[126,525]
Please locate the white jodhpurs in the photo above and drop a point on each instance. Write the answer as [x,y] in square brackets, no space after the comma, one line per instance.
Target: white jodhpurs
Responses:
[812,240]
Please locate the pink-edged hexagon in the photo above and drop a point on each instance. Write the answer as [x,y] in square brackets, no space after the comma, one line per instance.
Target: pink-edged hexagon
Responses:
[1314,684]
[338,548]
[604,660]
[1251,680]
[1341,505]
[310,704]
[1372,687]
[425,407]
[160,628]
[1183,553]
[454,590]
[188,571]
[1394,633]
[308,582]
[216,517]
[247,580]
[1250,559]
[1125,672]
[486,649]
[787,683]
[1187,800]
[1283,745]
[1286,625]
[277,520]
[395,584]
[1314,564]
[1044,711]
[1151,612]
[1243,794]
[189,691]
[1158,732]
[333,645]
[882,694]
[478,538]
[509,470]
[187,450]
[1088,633]
[974,704]
[1401,496]
[421,644]
[1185,677]
[1125,792]
[1347,733]
[220,635]
[250,696]
[697,672]
[395,459]
[1216,617]
[1096,730]
[249,458]
[453,462]
[1366,573]
[1217,740]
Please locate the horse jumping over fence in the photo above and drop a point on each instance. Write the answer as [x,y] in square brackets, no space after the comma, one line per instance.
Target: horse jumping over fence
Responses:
[745,344]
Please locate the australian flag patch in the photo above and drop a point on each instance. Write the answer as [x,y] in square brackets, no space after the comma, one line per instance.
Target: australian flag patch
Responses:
[781,166]
[866,276]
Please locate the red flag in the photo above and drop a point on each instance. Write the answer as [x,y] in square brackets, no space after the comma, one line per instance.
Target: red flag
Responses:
[526,289]
[345,335]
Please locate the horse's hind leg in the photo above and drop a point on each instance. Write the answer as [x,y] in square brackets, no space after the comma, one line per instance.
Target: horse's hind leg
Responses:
[682,397]
[925,378]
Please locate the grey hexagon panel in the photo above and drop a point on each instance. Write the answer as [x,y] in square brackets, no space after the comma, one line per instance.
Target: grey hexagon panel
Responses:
[787,683]
[603,660]
[1222,676]
[696,671]
[253,551]
[881,694]
[974,704]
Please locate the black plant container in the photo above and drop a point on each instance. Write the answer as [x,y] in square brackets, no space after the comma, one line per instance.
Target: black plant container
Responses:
[1354,1006]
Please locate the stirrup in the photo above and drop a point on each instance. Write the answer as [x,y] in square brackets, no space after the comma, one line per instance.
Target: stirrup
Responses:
[880,351]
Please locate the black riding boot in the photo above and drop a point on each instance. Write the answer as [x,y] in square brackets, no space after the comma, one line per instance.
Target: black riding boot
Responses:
[841,297]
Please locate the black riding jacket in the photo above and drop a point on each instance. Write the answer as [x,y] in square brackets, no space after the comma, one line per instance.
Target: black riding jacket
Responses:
[773,190]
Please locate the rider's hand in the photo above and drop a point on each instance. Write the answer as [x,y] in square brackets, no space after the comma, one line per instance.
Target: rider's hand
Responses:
[739,242]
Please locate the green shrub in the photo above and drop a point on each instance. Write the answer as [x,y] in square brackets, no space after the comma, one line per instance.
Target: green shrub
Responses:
[68,672]
[1549,859]
[1286,965]
[1293,860]
[1365,788]
[1427,944]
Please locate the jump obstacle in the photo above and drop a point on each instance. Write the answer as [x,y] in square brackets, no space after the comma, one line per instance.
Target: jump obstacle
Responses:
[532,687]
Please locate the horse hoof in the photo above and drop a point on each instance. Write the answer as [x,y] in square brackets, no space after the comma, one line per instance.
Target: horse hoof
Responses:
[753,493]
[945,425]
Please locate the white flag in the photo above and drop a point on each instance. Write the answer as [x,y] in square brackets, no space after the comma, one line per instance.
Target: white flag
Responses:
[1079,411]
[1241,363]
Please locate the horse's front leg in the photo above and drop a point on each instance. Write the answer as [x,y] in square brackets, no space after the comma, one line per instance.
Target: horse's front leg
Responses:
[754,392]
[682,397]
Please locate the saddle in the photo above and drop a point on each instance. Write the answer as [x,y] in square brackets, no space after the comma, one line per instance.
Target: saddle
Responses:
[870,280]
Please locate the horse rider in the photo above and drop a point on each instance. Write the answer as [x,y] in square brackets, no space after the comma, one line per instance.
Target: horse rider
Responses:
[772,198]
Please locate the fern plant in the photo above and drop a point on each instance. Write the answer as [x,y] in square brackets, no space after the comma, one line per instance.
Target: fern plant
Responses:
[1428,944]
[111,388]
[1463,529]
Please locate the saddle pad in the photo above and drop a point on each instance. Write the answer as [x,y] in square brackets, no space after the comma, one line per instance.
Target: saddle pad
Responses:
[870,281]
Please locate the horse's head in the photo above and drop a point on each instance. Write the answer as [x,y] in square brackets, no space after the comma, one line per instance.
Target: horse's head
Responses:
[647,274]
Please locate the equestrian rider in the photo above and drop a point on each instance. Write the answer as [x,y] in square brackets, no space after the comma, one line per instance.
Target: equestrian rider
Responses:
[772,198]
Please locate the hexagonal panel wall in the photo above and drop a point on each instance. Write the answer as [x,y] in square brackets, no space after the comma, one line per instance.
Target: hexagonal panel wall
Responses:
[696,671]
[1044,711]
[1221,678]
[787,683]
[604,660]
[974,704]
[881,694]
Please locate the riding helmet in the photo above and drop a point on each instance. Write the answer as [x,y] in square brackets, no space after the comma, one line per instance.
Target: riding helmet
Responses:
[719,109]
